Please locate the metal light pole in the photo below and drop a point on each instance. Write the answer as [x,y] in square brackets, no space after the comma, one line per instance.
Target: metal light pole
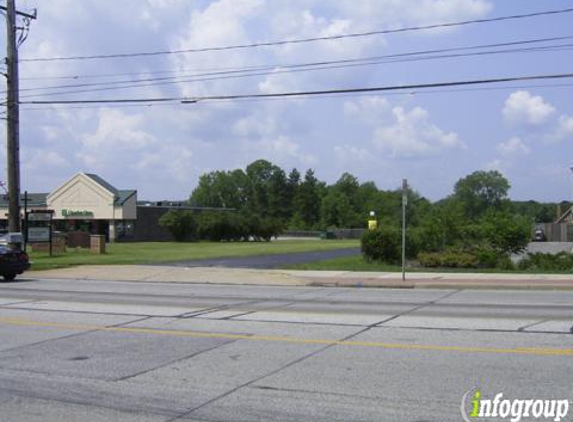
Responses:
[404,203]
[571,168]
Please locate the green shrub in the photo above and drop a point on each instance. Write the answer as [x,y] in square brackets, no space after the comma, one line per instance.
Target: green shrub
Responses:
[448,259]
[562,261]
[383,244]
[482,258]
[505,232]
[488,258]
[227,226]
[181,224]
[218,226]
[263,228]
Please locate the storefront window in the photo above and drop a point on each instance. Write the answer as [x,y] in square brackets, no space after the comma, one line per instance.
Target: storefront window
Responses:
[124,228]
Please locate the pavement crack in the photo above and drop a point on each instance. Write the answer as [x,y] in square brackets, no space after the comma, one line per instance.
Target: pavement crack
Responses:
[5,305]
[269,374]
[304,391]
[37,343]
[525,327]
[416,308]
[163,365]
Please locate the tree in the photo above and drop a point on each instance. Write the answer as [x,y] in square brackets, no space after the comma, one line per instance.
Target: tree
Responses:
[221,189]
[482,190]
[292,186]
[505,232]
[336,210]
[180,223]
[443,225]
[267,190]
[307,202]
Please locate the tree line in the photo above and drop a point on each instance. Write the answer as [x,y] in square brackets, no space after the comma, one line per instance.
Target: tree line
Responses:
[477,225]
[298,202]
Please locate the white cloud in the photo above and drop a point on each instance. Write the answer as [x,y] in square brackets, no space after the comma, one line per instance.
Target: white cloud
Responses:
[523,108]
[117,130]
[412,134]
[223,22]
[43,160]
[500,165]
[255,126]
[513,146]
[397,13]
[350,153]
[563,131]
[370,109]
[280,149]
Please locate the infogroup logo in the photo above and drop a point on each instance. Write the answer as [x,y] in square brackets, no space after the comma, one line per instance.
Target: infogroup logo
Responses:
[474,407]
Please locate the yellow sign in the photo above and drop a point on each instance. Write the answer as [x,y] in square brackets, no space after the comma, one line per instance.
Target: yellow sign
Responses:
[372,224]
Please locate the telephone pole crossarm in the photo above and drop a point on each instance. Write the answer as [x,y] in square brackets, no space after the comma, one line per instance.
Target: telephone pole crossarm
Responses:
[23,14]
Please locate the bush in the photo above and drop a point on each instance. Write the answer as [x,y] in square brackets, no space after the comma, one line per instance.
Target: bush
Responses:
[180,223]
[265,228]
[562,261]
[481,258]
[383,244]
[448,259]
[218,226]
[226,226]
[488,258]
[505,232]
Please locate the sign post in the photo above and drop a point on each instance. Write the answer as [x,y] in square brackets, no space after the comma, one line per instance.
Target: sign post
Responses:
[372,221]
[404,203]
[39,227]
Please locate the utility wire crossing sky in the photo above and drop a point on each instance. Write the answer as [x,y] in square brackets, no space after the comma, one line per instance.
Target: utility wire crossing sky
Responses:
[419,89]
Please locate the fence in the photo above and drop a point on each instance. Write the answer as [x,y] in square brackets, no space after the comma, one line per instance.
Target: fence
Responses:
[557,232]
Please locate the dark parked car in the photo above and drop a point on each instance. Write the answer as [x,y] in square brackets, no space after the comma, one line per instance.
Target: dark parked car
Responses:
[12,262]
[539,236]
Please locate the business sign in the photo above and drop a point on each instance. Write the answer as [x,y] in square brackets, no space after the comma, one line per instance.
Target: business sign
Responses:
[38,234]
[39,216]
[77,213]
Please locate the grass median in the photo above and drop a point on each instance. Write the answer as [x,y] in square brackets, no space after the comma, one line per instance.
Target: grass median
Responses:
[162,252]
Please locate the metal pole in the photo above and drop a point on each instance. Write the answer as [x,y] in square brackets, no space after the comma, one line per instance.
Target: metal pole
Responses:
[404,203]
[13,122]
[25,225]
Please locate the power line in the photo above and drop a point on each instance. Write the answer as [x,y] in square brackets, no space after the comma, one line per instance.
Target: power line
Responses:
[345,95]
[302,40]
[187,100]
[258,68]
[343,64]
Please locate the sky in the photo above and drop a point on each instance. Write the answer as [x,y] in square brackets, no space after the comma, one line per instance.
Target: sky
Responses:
[431,137]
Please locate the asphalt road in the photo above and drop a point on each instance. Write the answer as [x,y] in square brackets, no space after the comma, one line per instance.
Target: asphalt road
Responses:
[120,351]
[267,261]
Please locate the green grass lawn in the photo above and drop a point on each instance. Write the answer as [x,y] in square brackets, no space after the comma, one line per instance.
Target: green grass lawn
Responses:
[156,252]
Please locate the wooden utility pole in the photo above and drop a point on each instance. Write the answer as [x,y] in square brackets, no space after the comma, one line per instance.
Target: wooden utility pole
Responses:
[13,119]
[13,109]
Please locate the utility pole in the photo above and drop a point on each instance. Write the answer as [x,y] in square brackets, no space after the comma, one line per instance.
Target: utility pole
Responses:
[13,110]
[13,123]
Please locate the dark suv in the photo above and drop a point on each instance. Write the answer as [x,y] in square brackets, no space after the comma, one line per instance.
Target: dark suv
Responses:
[12,262]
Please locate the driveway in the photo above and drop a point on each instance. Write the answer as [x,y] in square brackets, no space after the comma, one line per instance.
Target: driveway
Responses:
[267,261]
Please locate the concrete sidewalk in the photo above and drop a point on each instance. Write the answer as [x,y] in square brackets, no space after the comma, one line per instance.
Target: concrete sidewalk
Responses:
[213,275]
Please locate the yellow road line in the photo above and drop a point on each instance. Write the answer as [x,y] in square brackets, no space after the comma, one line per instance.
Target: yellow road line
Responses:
[368,344]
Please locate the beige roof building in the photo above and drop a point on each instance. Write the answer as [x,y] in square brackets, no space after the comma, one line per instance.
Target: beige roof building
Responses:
[87,202]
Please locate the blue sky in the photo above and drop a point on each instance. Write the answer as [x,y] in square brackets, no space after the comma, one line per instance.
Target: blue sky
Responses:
[432,138]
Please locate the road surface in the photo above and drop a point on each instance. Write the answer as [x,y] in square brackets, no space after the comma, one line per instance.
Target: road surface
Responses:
[75,350]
